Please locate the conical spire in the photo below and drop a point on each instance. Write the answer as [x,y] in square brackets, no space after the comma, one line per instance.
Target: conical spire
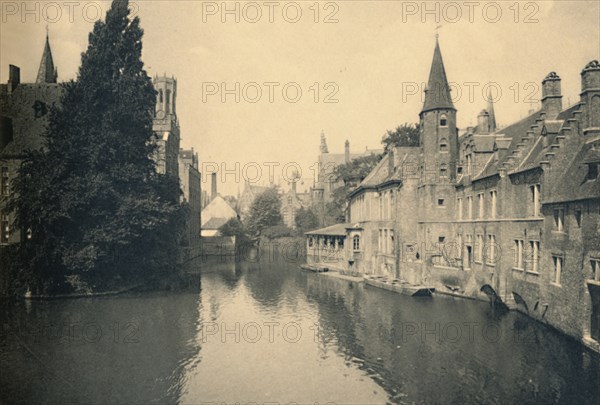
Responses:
[490,110]
[437,94]
[47,72]
[323,148]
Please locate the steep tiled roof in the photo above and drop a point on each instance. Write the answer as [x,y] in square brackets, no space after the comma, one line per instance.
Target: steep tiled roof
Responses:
[437,95]
[215,223]
[333,230]
[572,185]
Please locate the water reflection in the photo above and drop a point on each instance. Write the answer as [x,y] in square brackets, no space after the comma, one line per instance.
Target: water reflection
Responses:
[236,340]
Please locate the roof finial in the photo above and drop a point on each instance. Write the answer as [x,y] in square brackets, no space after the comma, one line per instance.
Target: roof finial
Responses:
[437,33]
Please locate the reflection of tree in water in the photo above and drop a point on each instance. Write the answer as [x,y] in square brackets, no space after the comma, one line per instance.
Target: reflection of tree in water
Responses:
[266,279]
[131,348]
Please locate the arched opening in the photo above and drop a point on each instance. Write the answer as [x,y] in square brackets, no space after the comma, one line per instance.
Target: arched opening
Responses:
[443,145]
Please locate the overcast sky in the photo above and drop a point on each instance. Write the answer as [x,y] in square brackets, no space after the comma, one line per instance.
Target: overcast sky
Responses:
[370,57]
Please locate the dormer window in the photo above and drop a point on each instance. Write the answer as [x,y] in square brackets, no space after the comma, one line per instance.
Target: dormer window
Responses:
[592,171]
[443,120]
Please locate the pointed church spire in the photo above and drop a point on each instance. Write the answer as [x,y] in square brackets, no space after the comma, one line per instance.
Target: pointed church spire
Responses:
[323,146]
[490,109]
[47,72]
[437,94]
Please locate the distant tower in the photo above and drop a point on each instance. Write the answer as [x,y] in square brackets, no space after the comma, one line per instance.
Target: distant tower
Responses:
[439,137]
[323,147]
[166,125]
[47,73]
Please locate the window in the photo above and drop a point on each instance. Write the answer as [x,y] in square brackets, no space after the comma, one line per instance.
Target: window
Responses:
[592,171]
[4,229]
[160,96]
[443,171]
[5,186]
[441,239]
[440,202]
[491,250]
[595,264]
[534,192]
[310,242]
[340,243]
[443,120]
[168,101]
[470,207]
[481,209]
[380,241]
[443,144]
[392,247]
[356,243]
[558,265]
[460,246]
[493,203]
[534,256]
[518,262]
[559,219]
[479,249]
[460,208]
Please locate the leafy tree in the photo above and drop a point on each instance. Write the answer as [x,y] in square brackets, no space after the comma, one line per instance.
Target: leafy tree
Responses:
[351,173]
[277,231]
[306,220]
[405,135]
[264,212]
[96,208]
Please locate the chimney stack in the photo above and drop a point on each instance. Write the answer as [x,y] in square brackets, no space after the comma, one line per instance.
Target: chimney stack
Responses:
[213,186]
[483,122]
[347,151]
[14,77]
[551,96]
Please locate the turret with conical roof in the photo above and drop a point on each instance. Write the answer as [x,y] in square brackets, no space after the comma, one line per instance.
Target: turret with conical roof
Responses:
[439,137]
[437,93]
[47,72]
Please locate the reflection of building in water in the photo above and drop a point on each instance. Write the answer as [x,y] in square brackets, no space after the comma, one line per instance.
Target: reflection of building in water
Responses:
[513,210]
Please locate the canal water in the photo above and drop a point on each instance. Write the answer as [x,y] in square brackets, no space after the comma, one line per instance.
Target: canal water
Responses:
[268,332]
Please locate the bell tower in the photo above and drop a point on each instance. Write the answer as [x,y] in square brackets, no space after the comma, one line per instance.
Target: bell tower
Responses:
[166,125]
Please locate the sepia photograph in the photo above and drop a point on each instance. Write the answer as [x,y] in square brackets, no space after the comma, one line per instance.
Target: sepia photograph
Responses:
[305,202]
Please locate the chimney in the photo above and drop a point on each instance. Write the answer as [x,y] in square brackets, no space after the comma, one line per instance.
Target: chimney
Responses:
[347,151]
[391,162]
[213,186]
[590,98]
[483,122]
[551,97]
[294,181]
[14,77]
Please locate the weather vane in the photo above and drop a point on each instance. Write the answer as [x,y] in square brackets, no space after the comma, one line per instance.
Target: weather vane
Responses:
[437,33]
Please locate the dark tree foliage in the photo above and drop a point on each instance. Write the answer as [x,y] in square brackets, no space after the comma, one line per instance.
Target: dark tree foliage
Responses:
[97,209]
[405,135]
[351,174]
[306,220]
[265,211]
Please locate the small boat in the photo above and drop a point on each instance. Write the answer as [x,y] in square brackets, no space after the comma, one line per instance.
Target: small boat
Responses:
[314,269]
[400,287]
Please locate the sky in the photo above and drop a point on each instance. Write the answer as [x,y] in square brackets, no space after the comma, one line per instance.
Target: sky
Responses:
[352,69]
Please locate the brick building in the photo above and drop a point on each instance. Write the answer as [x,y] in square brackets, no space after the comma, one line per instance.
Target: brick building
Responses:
[24,112]
[511,213]
[190,187]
